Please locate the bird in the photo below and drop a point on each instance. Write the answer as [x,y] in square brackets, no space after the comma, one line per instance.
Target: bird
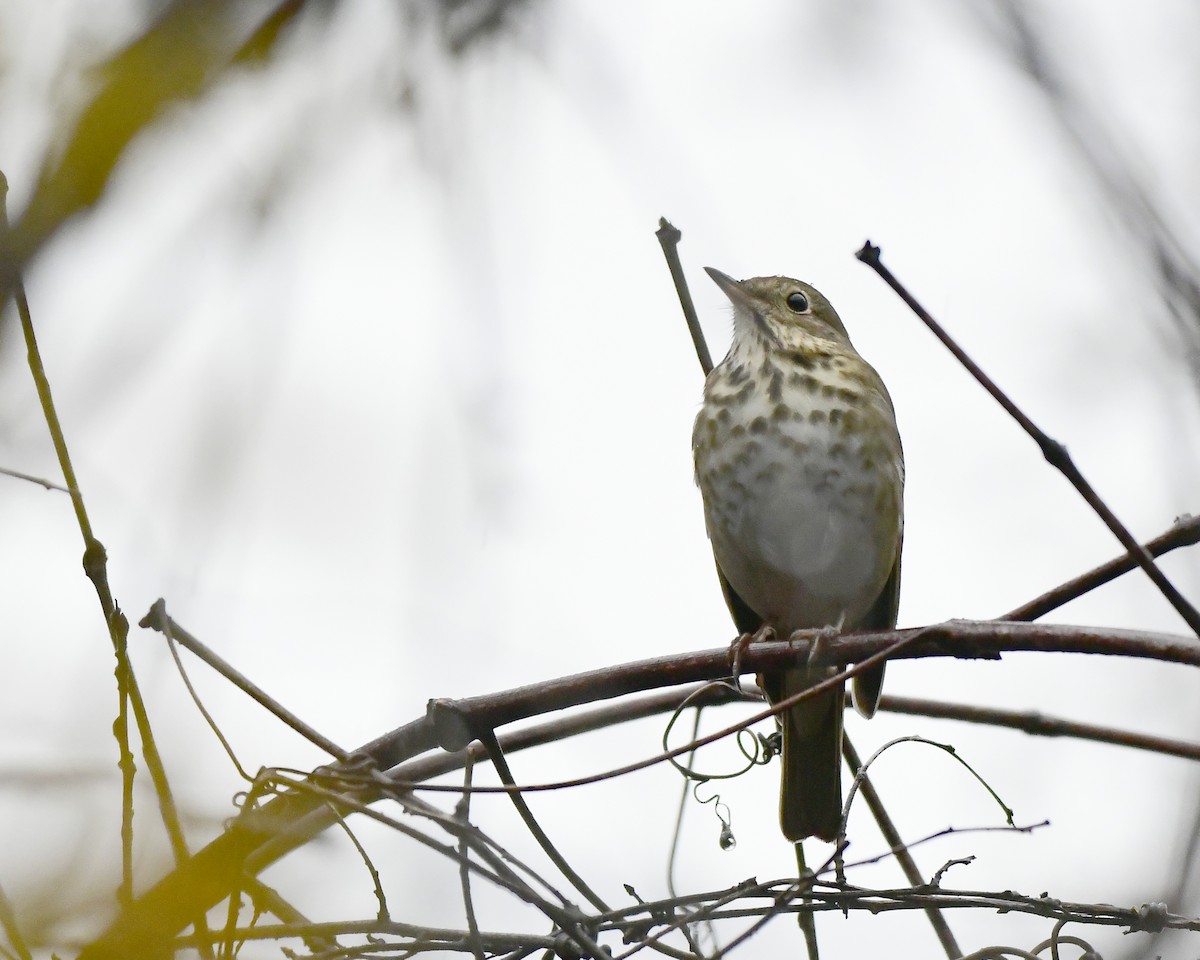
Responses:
[801,472]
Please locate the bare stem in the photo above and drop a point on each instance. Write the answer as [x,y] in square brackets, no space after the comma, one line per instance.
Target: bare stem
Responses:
[669,237]
[158,619]
[95,558]
[1054,452]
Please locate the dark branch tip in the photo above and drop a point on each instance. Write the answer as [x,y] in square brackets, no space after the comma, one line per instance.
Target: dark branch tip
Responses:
[869,254]
[667,232]
[155,617]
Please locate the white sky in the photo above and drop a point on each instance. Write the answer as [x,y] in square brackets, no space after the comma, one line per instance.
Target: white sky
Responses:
[371,367]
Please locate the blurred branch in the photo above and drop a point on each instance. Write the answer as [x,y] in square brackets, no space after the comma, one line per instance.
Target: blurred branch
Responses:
[177,58]
[258,47]
[465,22]
[188,47]
[8,923]
[1176,271]
[17,475]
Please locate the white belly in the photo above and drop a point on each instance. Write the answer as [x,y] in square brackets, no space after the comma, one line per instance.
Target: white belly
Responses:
[798,557]
[804,518]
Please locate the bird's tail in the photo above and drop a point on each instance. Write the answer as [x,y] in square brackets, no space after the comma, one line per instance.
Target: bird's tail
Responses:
[810,800]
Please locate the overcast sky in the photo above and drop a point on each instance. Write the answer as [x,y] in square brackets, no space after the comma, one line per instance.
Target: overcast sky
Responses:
[370,366]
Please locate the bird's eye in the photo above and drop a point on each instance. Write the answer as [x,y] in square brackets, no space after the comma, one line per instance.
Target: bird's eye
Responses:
[797,302]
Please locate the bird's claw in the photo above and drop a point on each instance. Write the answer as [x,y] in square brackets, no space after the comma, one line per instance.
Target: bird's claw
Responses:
[738,647]
[816,638]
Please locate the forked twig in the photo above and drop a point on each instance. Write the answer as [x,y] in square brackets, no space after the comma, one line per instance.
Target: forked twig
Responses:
[1054,452]
[892,835]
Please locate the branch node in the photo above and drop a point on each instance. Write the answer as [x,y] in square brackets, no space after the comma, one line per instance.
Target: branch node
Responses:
[1054,452]
[450,725]
[1151,918]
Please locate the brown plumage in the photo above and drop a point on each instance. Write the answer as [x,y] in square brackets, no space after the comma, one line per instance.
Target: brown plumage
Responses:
[800,467]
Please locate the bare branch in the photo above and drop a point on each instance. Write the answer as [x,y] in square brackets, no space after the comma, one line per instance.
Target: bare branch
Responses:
[1054,452]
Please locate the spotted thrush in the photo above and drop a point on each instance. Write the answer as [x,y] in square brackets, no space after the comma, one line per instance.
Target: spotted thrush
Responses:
[799,463]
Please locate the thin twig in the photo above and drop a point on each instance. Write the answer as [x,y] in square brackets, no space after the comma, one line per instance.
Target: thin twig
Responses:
[157,619]
[1184,533]
[492,745]
[677,834]
[1054,452]
[681,923]
[166,801]
[788,895]
[377,884]
[324,931]
[805,919]
[18,475]
[565,915]
[502,862]
[947,832]
[268,900]
[890,834]
[499,874]
[668,238]
[462,811]
[173,647]
[1039,725]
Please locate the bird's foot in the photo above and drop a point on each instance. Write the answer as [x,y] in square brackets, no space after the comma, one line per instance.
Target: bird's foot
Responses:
[816,638]
[738,647]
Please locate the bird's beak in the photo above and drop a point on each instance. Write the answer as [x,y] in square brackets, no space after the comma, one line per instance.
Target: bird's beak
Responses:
[732,288]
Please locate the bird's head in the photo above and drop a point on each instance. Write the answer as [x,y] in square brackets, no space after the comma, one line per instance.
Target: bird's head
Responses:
[783,315]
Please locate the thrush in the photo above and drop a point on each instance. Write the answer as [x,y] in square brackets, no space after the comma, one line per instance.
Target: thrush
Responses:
[799,464]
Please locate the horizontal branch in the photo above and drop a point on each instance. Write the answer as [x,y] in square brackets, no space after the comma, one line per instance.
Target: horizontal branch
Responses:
[826,896]
[964,639]
[201,882]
